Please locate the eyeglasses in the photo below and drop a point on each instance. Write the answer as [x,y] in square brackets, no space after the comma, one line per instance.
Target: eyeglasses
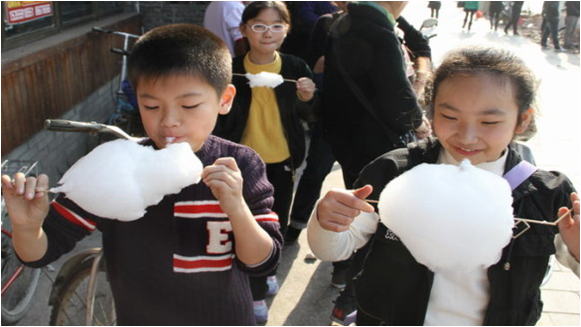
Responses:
[261,28]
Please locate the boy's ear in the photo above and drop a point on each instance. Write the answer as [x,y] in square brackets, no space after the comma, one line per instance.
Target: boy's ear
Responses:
[525,119]
[227,99]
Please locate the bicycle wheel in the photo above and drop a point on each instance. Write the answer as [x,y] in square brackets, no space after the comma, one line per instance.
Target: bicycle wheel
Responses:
[70,307]
[17,297]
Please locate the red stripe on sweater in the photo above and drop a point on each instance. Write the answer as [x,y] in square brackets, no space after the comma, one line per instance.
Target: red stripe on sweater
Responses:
[198,208]
[73,217]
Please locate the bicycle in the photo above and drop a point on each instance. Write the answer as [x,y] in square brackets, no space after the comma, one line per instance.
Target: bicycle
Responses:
[126,113]
[19,282]
[81,294]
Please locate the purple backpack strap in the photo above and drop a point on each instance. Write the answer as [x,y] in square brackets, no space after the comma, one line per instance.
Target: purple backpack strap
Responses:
[519,173]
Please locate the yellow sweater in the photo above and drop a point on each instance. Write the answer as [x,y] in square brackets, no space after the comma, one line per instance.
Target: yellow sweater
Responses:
[264,132]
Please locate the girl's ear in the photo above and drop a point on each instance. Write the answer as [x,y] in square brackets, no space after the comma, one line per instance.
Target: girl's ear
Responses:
[242,29]
[524,121]
[227,99]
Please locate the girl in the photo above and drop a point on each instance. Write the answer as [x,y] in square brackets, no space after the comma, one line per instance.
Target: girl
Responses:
[482,99]
[268,120]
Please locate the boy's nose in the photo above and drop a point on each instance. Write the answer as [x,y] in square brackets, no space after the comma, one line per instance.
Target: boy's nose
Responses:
[170,118]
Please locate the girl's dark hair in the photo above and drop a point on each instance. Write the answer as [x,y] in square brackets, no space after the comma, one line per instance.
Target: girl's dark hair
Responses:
[254,8]
[474,60]
[181,49]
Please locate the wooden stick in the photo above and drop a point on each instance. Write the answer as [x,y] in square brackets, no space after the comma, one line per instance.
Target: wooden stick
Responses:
[544,222]
[371,201]
[284,79]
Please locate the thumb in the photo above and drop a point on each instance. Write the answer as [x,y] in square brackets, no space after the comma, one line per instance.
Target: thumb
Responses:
[363,192]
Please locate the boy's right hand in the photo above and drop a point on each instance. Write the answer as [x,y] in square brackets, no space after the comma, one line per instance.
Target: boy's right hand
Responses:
[26,200]
[338,208]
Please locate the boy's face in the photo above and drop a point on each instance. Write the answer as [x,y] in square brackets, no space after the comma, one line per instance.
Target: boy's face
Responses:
[476,117]
[180,108]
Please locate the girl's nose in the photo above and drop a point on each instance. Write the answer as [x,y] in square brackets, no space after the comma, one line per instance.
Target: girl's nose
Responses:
[467,133]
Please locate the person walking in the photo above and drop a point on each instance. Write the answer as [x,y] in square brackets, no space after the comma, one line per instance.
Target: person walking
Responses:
[571,23]
[514,17]
[434,8]
[550,25]
[470,8]
[494,11]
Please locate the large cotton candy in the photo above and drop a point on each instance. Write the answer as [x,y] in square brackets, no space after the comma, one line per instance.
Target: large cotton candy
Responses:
[449,217]
[264,79]
[120,179]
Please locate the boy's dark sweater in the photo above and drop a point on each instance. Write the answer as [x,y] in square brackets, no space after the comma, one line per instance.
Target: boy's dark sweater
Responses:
[164,268]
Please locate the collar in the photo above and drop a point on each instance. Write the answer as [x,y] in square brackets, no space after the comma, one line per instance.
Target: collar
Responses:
[381,9]
[496,167]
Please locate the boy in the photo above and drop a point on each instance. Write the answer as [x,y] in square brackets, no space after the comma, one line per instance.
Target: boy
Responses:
[187,260]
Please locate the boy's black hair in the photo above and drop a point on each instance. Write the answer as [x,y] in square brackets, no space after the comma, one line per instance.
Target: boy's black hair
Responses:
[474,60]
[181,49]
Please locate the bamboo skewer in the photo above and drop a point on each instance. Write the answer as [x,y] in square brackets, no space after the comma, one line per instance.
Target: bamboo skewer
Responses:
[284,79]
[524,220]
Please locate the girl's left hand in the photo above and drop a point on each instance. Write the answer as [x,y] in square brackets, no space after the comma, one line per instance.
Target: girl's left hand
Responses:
[305,89]
[225,180]
[569,226]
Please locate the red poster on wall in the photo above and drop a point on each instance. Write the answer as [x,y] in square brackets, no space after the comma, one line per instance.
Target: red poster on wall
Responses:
[18,12]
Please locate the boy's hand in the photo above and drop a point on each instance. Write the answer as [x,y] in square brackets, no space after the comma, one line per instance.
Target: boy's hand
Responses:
[26,200]
[338,208]
[225,180]
[569,227]
[305,89]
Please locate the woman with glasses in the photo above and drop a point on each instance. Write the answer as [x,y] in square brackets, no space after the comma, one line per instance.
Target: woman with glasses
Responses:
[270,119]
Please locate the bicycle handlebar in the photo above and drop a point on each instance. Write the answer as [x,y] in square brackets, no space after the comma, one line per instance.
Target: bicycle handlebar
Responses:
[104,30]
[120,51]
[62,125]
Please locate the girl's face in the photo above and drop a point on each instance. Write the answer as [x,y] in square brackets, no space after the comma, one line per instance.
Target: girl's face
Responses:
[181,109]
[476,117]
[268,41]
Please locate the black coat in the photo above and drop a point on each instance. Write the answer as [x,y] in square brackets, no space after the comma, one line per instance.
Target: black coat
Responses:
[364,49]
[395,288]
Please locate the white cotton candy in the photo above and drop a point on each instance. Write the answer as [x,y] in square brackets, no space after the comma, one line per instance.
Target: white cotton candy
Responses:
[449,217]
[264,79]
[120,179]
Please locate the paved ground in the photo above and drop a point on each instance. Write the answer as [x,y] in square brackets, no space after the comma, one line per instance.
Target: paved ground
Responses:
[306,296]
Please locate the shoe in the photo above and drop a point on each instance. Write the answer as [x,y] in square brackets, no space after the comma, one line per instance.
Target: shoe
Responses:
[545,47]
[261,312]
[345,310]
[339,279]
[292,235]
[559,49]
[273,286]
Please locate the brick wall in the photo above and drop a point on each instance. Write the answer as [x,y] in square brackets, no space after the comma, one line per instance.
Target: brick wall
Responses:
[158,13]
[57,151]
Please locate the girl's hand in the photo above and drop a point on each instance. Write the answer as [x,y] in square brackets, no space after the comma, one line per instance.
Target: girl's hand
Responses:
[225,181]
[569,227]
[337,210]
[305,89]
[26,200]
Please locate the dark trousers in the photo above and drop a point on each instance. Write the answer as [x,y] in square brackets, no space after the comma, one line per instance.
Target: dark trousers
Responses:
[280,175]
[319,163]
[515,17]
[550,26]
[494,18]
